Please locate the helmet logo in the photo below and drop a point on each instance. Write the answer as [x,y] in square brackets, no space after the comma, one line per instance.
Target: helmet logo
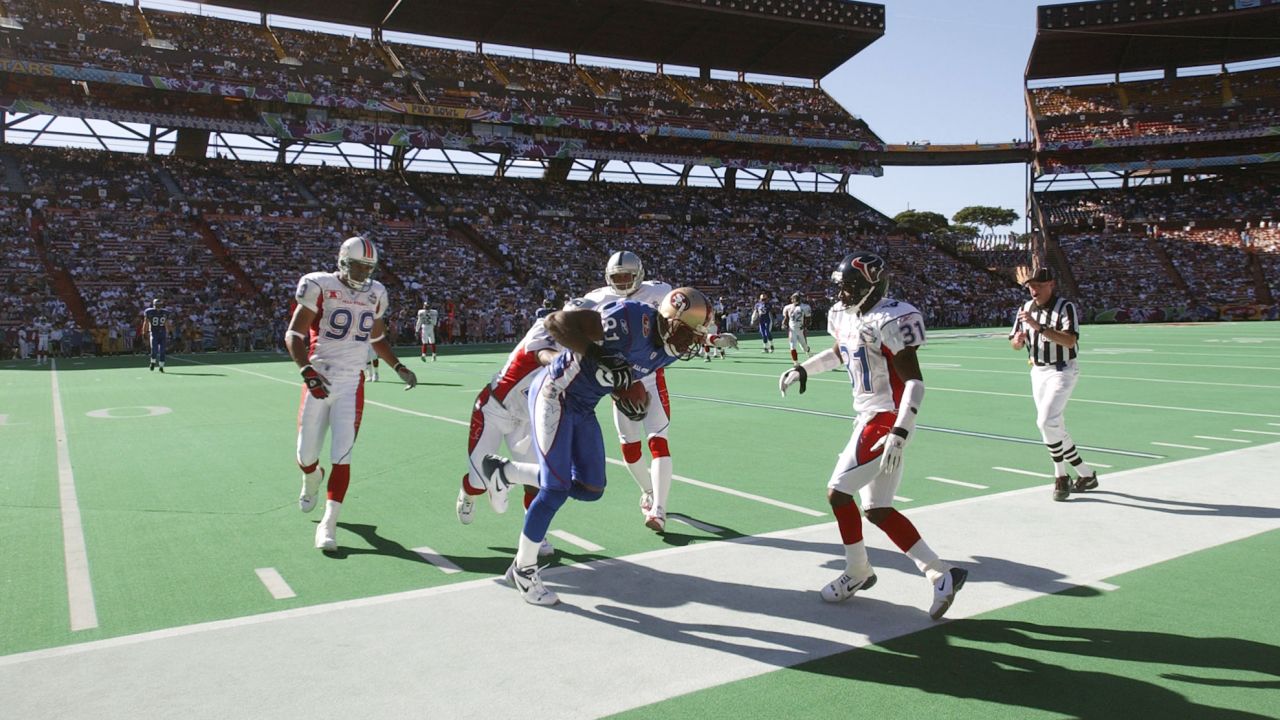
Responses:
[680,302]
[869,267]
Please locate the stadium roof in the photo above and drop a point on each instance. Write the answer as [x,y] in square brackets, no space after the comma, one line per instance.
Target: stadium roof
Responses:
[794,38]
[1117,36]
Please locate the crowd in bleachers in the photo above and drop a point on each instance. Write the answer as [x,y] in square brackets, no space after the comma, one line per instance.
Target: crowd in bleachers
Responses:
[1235,103]
[1245,198]
[350,70]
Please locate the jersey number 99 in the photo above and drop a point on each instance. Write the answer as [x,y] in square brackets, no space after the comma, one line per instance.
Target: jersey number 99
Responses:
[341,323]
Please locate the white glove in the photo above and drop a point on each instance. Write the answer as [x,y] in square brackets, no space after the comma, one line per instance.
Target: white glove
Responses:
[893,444]
[406,375]
[796,374]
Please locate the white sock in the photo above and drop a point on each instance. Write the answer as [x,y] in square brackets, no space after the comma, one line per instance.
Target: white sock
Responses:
[928,561]
[523,473]
[527,552]
[661,469]
[640,474]
[857,565]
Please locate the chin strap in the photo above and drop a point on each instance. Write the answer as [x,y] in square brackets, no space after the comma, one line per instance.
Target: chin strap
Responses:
[908,408]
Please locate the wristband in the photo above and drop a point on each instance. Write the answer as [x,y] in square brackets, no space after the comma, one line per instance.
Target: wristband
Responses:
[374,340]
[296,334]
[303,370]
[398,367]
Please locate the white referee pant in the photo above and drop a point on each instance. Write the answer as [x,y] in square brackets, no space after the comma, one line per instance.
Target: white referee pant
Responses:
[1051,389]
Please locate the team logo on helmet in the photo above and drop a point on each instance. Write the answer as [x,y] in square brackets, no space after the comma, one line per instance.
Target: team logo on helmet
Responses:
[870,267]
[679,301]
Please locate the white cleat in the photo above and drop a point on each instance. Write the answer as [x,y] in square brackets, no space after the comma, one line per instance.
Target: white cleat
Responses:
[528,582]
[466,507]
[656,519]
[844,587]
[944,591]
[310,490]
[493,473]
[546,549]
[646,501]
[326,533]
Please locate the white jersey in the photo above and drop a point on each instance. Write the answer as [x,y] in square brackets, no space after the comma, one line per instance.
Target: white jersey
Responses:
[867,345]
[650,292]
[513,380]
[343,326]
[796,315]
[43,329]
[426,319]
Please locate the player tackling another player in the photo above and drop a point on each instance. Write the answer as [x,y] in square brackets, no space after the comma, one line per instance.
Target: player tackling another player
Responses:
[339,316]
[876,338]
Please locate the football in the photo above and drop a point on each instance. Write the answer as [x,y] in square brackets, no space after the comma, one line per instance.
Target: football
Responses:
[634,394]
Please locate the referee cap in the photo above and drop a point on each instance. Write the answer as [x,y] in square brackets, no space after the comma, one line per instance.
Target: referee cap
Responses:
[1044,274]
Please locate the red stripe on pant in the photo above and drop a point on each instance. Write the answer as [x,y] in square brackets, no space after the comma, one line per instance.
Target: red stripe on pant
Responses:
[662,392]
[872,432]
[359,407]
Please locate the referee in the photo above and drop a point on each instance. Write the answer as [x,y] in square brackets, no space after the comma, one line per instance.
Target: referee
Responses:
[1049,328]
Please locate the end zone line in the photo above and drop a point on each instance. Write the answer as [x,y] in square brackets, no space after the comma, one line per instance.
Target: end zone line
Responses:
[84,612]
[681,478]
[275,583]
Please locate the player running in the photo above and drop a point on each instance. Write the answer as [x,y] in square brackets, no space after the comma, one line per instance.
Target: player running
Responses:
[339,316]
[876,338]
[796,318]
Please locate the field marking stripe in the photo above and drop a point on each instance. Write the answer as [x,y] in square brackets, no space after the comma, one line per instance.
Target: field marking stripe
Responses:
[961,483]
[1214,437]
[1176,445]
[84,612]
[1092,376]
[930,428]
[1016,471]
[431,557]
[696,524]
[1256,432]
[899,498]
[376,600]
[275,583]
[1098,464]
[681,478]
[1093,360]
[1025,396]
[575,540]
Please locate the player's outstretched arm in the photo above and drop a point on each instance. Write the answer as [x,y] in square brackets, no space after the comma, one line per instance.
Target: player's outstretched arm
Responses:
[575,329]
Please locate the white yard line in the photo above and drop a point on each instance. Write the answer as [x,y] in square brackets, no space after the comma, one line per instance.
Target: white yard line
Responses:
[1016,471]
[696,524]
[1176,445]
[572,539]
[1256,432]
[275,583]
[84,612]
[1214,437]
[961,483]
[444,564]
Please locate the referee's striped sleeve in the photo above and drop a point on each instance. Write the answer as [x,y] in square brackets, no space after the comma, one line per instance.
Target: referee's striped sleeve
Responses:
[1068,322]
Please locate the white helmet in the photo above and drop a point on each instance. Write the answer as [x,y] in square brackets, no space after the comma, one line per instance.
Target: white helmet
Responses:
[686,317]
[358,254]
[624,272]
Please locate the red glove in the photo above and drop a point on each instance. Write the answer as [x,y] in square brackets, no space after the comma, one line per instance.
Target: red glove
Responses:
[317,384]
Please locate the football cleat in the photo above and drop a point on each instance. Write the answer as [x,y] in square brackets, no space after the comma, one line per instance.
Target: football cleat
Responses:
[944,591]
[546,549]
[844,587]
[326,532]
[493,473]
[646,501]
[1061,488]
[1086,482]
[466,507]
[528,582]
[656,519]
[310,489]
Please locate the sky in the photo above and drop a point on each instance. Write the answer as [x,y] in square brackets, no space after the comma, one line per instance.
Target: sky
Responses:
[946,71]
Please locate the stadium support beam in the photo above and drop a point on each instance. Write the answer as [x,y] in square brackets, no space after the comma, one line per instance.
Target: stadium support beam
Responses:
[558,169]
[731,179]
[843,185]
[597,170]
[684,176]
[767,180]
[398,153]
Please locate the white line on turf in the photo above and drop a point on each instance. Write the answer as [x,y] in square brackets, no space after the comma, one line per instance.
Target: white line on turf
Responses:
[1176,445]
[681,478]
[943,368]
[1016,471]
[275,583]
[1256,432]
[575,540]
[84,612]
[961,483]
[1103,586]
[432,557]
[1275,424]
[1098,464]
[696,524]
[1214,437]
[899,498]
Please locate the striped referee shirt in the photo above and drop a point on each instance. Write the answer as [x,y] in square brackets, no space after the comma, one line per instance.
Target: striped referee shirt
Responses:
[1059,314]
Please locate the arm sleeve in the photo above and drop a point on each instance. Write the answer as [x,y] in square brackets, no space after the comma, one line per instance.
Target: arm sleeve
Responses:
[1067,320]
[1017,324]
[307,293]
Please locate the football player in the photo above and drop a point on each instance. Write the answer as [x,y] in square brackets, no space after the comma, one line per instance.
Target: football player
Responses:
[43,329]
[876,338]
[606,349]
[624,278]
[425,325]
[796,317]
[338,317]
[762,318]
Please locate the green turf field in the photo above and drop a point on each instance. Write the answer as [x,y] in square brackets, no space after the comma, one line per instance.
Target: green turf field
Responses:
[186,487]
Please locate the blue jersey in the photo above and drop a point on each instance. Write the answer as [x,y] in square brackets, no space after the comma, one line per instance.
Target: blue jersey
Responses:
[630,328]
[158,318]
